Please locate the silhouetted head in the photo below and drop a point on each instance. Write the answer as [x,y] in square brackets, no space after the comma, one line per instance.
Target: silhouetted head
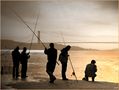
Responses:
[17,48]
[93,61]
[52,45]
[24,49]
[68,47]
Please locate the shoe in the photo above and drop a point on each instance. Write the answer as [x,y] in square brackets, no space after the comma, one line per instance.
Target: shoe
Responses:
[26,76]
[52,79]
[84,79]
[65,79]
[23,77]
[16,78]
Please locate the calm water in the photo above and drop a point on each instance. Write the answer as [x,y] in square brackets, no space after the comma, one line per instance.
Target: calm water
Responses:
[107,63]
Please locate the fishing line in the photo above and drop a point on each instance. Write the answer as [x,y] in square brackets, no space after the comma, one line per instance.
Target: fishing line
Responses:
[28,26]
[34,31]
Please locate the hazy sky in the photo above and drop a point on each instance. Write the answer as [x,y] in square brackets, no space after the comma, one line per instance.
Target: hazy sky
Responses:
[73,20]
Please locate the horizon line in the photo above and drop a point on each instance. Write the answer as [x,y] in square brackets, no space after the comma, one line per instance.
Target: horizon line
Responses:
[66,41]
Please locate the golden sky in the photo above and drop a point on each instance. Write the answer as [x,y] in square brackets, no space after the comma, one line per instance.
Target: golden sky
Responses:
[77,20]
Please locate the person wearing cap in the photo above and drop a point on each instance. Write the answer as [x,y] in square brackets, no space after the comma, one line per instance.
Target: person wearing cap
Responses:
[90,71]
[63,58]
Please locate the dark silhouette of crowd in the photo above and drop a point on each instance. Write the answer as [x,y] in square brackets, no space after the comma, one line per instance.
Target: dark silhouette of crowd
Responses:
[20,58]
[51,52]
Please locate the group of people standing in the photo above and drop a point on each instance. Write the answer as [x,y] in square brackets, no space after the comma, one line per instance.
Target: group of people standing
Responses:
[20,58]
[51,53]
[52,60]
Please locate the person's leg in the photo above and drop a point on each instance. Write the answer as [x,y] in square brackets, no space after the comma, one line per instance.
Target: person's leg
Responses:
[49,73]
[23,71]
[64,68]
[53,78]
[13,72]
[93,79]
[86,77]
[17,71]
[49,70]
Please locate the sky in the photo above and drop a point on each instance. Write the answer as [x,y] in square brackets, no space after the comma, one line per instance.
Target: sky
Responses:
[63,20]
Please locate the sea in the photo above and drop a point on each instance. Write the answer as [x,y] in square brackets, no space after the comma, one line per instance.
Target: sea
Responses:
[107,64]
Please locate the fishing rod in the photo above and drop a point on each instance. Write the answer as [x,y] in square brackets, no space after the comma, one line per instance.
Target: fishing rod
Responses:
[73,73]
[34,31]
[28,27]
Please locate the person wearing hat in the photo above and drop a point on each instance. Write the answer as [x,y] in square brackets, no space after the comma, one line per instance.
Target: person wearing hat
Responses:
[90,71]
[63,58]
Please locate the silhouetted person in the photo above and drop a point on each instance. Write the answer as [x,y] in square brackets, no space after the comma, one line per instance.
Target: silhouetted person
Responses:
[24,60]
[90,71]
[63,57]
[52,57]
[16,62]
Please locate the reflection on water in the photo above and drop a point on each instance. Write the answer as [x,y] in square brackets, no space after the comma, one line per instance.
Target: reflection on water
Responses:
[107,64]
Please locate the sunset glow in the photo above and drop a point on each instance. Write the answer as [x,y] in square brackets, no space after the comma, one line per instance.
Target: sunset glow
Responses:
[79,21]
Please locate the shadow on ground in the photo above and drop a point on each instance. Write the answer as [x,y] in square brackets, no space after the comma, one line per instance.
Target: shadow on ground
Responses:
[42,83]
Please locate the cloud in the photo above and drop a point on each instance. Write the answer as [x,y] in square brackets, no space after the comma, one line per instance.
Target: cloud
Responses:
[112,4]
[79,20]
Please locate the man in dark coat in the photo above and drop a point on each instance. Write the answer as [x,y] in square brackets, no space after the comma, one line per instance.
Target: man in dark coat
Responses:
[24,60]
[63,58]
[16,61]
[52,57]
[90,70]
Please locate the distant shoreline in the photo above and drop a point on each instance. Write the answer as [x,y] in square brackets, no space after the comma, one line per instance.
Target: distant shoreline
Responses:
[10,44]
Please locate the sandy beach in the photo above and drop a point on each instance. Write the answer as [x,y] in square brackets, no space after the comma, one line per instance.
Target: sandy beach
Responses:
[107,75]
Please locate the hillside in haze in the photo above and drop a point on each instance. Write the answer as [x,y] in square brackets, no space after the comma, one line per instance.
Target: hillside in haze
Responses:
[10,44]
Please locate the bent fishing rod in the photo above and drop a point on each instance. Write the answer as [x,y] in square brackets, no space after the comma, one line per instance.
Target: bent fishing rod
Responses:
[34,31]
[29,28]
[73,73]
